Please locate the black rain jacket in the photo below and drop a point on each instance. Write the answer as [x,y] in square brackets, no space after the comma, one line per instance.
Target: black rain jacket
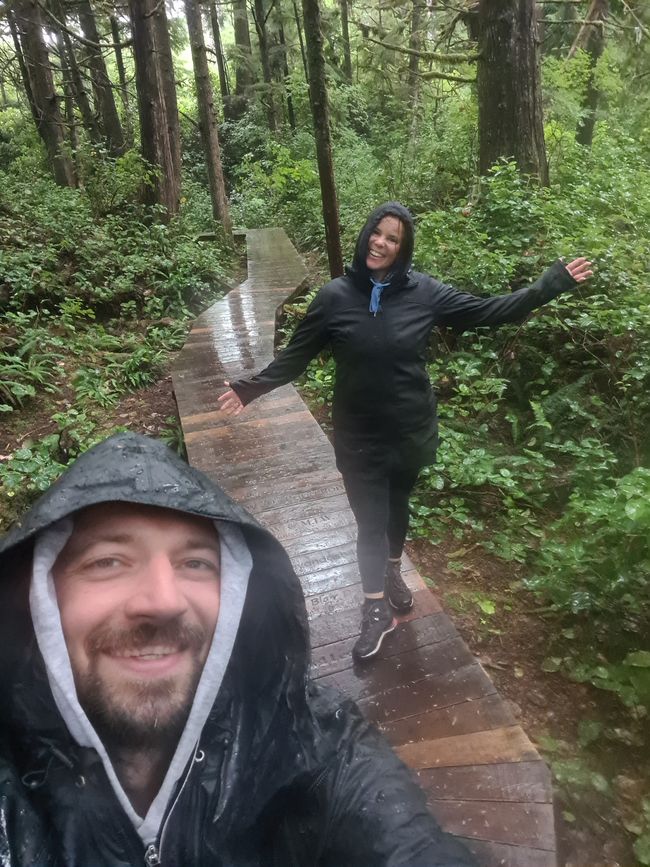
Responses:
[286,773]
[384,409]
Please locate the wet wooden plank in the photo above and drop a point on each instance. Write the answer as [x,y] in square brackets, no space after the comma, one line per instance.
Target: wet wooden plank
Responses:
[307,564]
[307,543]
[507,744]
[524,782]
[293,490]
[410,667]
[317,506]
[298,536]
[469,716]
[503,855]
[452,688]
[259,432]
[513,824]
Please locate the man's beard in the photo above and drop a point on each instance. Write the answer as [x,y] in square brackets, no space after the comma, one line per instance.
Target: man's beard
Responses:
[140,713]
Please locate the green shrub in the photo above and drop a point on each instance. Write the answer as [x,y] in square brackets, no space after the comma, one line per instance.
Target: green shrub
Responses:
[594,570]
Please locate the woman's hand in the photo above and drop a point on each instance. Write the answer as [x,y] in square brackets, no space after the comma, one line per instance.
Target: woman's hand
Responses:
[230,402]
[580,269]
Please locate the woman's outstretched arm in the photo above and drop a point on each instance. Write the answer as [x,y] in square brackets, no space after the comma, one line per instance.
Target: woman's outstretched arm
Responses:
[309,338]
[460,310]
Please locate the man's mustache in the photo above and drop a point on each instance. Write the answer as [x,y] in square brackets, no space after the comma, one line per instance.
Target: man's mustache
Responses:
[170,633]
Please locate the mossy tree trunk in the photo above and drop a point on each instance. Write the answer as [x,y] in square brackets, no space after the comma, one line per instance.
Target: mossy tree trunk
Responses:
[511,121]
[207,117]
[320,114]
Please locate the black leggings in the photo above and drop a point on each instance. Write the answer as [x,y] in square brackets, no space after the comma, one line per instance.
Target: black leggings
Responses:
[381,508]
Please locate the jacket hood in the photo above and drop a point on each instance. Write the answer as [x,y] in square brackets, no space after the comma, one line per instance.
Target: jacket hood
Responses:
[359,271]
[261,603]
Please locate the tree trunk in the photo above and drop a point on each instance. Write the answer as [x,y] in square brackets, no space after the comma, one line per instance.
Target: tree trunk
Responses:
[509,87]
[320,113]
[221,63]
[285,66]
[415,42]
[81,97]
[302,41]
[22,66]
[88,115]
[68,101]
[345,32]
[37,62]
[121,73]
[594,44]
[168,79]
[109,118]
[156,128]
[207,117]
[244,78]
[262,38]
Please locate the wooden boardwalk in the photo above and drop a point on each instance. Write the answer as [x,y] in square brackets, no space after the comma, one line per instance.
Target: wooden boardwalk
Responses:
[484,779]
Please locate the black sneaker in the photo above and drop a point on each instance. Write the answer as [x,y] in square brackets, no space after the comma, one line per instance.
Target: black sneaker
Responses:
[376,621]
[397,593]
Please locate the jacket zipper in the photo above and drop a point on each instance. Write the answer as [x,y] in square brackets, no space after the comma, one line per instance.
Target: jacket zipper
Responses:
[151,856]
[153,852]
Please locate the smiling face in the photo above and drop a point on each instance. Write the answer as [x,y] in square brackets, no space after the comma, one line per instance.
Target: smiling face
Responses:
[138,591]
[384,246]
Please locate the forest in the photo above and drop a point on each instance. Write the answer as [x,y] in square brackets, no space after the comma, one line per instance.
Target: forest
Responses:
[136,140]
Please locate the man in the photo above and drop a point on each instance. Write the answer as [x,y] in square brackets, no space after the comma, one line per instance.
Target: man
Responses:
[156,703]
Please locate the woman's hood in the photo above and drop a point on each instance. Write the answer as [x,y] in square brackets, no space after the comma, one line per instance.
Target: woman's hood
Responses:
[359,271]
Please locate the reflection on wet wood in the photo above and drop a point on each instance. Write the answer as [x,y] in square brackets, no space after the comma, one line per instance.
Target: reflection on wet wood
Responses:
[521,824]
[491,854]
[483,778]
[516,781]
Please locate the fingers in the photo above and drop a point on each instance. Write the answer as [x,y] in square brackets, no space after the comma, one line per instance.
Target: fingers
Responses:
[230,402]
[231,407]
[580,269]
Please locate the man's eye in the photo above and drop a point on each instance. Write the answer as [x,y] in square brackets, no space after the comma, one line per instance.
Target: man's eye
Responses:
[104,563]
[200,564]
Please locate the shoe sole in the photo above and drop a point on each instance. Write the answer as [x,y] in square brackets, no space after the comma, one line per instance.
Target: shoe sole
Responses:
[376,650]
[401,609]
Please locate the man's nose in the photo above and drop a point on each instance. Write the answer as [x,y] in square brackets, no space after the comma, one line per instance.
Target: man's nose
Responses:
[157,592]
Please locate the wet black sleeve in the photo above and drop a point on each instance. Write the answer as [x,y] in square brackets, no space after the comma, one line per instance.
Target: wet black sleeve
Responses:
[462,311]
[309,338]
[23,839]
[379,815]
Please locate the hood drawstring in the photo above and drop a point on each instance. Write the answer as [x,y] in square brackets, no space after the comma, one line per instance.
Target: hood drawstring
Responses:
[375,297]
[37,778]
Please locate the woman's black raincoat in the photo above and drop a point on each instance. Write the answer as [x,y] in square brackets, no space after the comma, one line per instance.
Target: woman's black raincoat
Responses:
[285,773]
[384,409]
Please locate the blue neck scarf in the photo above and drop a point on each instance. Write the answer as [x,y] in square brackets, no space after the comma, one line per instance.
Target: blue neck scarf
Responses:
[375,297]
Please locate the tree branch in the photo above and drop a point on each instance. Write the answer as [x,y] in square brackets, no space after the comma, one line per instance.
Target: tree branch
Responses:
[78,36]
[266,17]
[642,26]
[428,55]
[428,76]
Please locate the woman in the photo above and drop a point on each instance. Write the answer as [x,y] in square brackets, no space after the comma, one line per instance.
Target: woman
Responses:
[377,319]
